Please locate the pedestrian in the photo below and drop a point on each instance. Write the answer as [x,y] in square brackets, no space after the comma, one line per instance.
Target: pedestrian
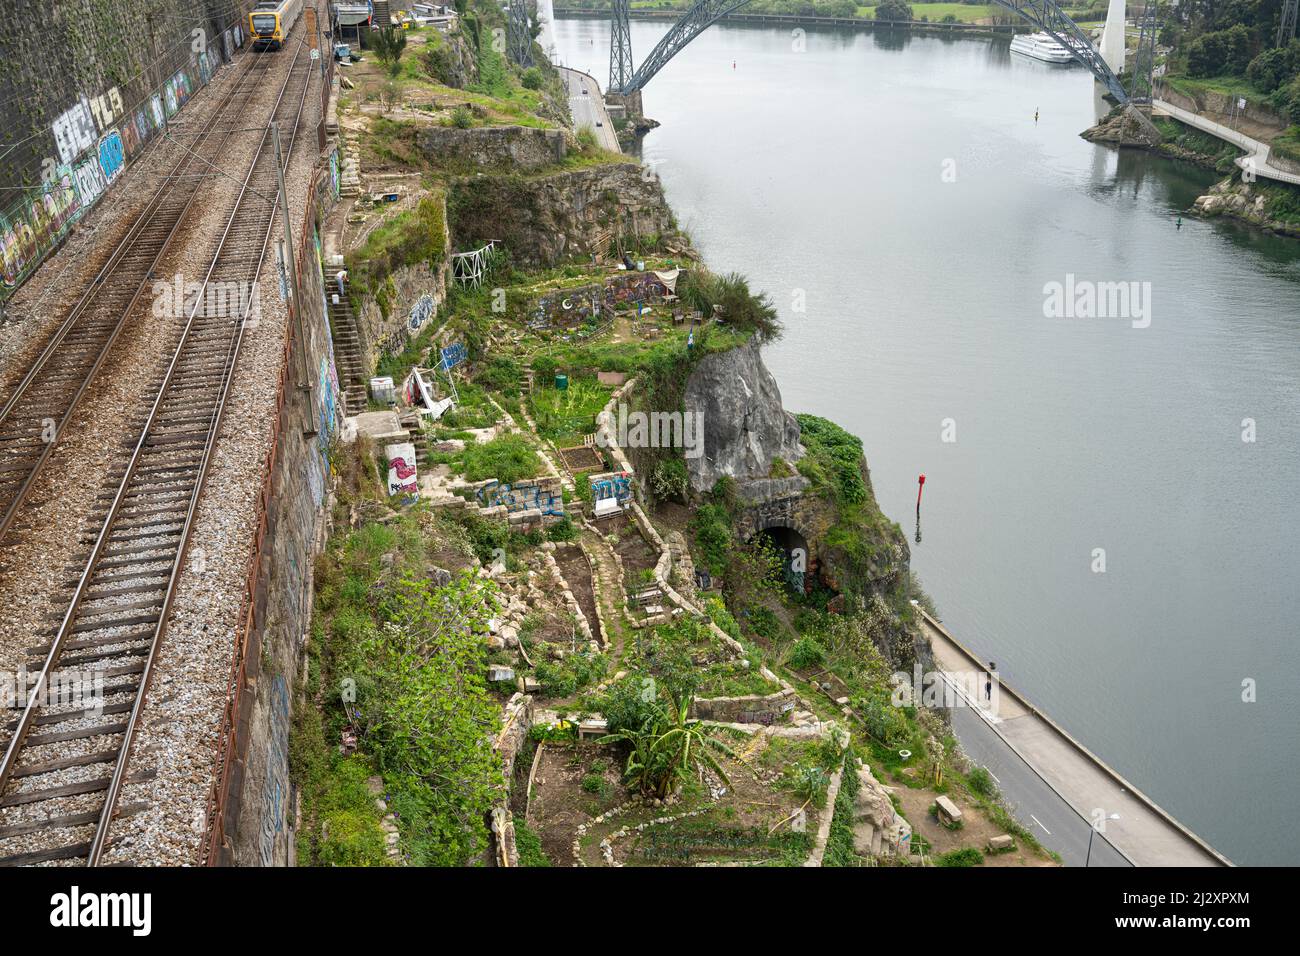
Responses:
[342,278]
[988,690]
[1179,224]
[1035,114]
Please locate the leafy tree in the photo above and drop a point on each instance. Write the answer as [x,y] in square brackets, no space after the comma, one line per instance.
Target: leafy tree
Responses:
[388,44]
[425,714]
[1275,67]
[894,11]
[1222,51]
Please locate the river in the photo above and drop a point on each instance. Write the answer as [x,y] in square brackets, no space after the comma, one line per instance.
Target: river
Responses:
[904,210]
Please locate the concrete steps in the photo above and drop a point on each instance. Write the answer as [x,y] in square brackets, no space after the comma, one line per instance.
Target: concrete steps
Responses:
[348,356]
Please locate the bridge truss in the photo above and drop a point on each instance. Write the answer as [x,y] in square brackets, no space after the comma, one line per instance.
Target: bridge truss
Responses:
[1286,24]
[519,39]
[1050,18]
[620,49]
[1046,15]
[1142,83]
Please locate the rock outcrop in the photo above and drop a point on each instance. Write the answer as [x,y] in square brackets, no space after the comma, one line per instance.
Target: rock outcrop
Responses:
[1245,202]
[1125,126]
[745,426]
[545,220]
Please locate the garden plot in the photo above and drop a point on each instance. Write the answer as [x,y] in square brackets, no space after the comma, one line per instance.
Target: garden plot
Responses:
[577,575]
[689,645]
[764,814]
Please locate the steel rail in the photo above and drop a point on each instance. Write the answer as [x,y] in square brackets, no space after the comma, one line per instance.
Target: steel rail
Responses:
[118,777]
[55,652]
[142,222]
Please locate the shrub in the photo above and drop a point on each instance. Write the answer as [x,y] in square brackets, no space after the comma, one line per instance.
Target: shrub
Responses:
[1222,51]
[1274,68]
[967,856]
[981,782]
[530,845]
[628,706]
[806,653]
[462,118]
[532,78]
[893,11]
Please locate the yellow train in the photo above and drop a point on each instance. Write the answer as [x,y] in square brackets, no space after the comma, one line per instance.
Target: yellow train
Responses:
[270,21]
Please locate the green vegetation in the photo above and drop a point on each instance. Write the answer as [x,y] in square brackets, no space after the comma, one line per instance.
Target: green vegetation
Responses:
[1210,150]
[397,663]
[668,748]
[388,44]
[565,415]
[893,11]
[413,237]
[508,458]
[966,856]
[529,846]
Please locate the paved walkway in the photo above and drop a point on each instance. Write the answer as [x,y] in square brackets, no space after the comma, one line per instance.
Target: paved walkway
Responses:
[1144,833]
[1256,152]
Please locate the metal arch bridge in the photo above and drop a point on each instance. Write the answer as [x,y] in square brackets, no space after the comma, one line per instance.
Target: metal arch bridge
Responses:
[1046,15]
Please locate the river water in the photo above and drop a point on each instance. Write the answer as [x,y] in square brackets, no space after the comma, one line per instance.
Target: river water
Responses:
[903,195]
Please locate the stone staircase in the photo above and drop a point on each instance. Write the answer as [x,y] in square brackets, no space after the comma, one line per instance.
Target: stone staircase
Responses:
[414,426]
[347,354]
[350,172]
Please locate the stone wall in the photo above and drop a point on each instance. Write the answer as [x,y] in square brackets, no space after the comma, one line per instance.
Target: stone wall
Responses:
[1256,120]
[521,148]
[414,296]
[752,709]
[82,93]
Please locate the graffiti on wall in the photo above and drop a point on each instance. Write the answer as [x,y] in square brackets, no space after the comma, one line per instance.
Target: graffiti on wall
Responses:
[421,312]
[569,308]
[616,485]
[544,495]
[275,788]
[95,139]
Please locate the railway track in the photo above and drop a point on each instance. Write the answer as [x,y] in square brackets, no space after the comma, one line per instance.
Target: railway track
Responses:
[33,417]
[56,801]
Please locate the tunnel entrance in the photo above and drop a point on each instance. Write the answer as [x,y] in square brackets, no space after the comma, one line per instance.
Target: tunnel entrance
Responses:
[795,560]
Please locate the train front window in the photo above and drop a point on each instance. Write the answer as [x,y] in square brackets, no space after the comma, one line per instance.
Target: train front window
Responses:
[264,24]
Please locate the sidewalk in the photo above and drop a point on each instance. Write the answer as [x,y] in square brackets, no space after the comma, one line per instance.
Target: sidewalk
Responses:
[1256,152]
[1144,833]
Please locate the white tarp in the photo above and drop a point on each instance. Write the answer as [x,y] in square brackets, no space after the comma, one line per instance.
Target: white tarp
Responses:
[669,279]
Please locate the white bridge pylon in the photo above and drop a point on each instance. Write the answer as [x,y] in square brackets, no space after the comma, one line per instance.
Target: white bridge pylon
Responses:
[1112,37]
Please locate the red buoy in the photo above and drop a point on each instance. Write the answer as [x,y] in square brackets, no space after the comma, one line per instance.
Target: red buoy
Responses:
[920,486]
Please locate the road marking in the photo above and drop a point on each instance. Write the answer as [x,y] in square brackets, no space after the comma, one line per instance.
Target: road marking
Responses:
[985,715]
[1040,823]
[993,775]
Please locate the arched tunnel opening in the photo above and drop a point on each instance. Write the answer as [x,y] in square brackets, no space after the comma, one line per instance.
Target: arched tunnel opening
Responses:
[796,565]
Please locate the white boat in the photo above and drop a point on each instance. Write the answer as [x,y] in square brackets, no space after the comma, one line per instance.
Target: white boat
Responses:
[1041,46]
